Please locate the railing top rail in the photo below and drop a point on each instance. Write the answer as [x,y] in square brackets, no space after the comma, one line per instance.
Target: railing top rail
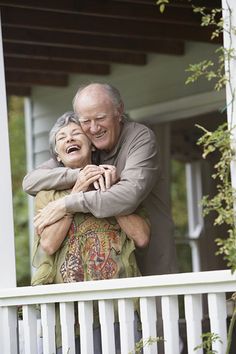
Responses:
[158,285]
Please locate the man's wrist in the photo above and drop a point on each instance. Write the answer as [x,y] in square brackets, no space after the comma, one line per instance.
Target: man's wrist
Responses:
[74,203]
[72,176]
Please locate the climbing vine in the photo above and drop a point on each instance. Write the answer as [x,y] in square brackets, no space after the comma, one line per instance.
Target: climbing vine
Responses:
[219,142]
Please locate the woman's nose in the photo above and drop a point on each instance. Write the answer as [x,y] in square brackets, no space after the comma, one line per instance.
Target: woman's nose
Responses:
[69,137]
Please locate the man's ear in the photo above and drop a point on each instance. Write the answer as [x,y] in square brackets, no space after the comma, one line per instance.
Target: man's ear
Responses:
[121,111]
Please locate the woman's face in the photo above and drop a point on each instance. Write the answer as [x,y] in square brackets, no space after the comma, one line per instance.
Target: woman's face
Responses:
[73,147]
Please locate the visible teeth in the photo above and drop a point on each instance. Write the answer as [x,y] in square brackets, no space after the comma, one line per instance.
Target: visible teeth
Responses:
[72,149]
[100,135]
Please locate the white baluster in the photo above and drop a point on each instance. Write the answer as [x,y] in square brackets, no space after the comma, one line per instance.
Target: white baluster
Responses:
[30,329]
[9,334]
[48,326]
[217,315]
[149,322]
[193,315]
[86,326]
[170,317]
[67,319]
[106,316]
[126,320]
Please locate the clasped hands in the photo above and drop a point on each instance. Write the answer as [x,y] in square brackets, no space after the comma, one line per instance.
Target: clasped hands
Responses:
[101,177]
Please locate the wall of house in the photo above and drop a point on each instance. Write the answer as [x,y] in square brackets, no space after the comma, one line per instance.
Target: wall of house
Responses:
[161,80]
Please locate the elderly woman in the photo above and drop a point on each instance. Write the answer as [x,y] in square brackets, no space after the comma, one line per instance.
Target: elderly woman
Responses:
[81,247]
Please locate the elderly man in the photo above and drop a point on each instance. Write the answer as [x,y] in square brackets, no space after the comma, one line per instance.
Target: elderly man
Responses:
[129,146]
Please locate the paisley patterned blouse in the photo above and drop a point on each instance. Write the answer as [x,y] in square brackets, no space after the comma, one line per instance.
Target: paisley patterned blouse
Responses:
[94,249]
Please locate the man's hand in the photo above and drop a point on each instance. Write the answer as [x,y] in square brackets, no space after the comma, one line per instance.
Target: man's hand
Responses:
[101,177]
[108,178]
[53,212]
[87,176]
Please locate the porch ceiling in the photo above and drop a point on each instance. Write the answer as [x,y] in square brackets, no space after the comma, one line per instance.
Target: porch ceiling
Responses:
[45,41]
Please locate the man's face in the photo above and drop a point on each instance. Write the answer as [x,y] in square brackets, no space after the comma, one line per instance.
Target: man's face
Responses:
[99,118]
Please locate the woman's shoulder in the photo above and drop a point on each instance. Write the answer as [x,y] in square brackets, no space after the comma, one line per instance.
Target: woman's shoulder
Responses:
[44,197]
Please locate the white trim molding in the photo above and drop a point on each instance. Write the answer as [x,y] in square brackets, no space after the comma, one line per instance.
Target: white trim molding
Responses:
[180,108]
[7,247]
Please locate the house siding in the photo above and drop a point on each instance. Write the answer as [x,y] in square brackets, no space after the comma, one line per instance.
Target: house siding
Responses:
[162,79]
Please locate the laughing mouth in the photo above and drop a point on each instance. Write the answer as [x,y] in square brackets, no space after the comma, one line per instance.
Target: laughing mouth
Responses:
[72,148]
[98,136]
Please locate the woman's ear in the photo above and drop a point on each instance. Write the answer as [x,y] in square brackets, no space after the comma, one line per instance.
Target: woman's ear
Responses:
[93,148]
[58,159]
[56,153]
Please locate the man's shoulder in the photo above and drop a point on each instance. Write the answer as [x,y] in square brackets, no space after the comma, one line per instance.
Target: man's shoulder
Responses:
[131,124]
[134,129]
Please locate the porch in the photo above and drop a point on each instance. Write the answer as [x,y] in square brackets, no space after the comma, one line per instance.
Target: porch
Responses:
[215,286]
[187,299]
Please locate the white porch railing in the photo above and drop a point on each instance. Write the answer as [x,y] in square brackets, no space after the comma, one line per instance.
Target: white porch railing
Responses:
[168,287]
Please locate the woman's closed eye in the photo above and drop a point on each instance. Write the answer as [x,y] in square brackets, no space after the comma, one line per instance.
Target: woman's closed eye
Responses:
[77,133]
[60,138]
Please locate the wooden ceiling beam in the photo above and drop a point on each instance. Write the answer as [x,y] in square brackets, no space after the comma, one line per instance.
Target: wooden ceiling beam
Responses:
[177,12]
[180,3]
[71,5]
[68,5]
[74,54]
[85,40]
[18,90]
[52,65]
[35,78]
[138,12]
[31,18]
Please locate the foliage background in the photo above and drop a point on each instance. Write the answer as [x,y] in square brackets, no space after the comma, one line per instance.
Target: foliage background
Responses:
[180,215]
[18,167]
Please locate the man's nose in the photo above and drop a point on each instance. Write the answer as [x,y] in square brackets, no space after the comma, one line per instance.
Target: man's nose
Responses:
[94,126]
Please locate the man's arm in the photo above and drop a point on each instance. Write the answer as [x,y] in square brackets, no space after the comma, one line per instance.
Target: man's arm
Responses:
[49,176]
[140,174]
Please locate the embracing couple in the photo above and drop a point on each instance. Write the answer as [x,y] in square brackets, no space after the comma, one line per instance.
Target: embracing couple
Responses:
[101,212]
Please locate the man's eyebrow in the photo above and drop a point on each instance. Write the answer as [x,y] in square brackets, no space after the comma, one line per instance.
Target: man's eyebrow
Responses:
[100,115]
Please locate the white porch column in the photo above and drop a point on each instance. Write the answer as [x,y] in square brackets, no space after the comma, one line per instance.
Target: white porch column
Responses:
[230,67]
[7,249]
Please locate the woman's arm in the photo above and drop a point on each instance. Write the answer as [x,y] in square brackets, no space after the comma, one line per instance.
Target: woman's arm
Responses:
[104,175]
[136,228]
[53,235]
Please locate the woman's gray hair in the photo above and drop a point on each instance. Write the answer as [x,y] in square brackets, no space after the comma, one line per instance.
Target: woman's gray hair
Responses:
[112,91]
[63,121]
